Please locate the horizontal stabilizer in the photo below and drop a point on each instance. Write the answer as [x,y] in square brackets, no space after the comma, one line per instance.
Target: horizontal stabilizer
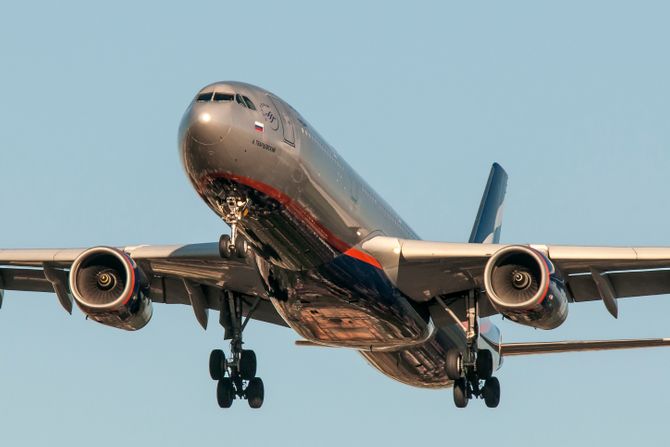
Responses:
[553,347]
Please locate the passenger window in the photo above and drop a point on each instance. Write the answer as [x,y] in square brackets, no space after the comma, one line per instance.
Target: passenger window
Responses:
[223,96]
[249,103]
[239,100]
[205,96]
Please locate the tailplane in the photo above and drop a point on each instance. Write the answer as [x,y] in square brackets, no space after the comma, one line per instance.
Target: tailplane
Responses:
[488,222]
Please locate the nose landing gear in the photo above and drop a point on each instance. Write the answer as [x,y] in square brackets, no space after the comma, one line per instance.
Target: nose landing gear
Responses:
[236,375]
[229,249]
[233,210]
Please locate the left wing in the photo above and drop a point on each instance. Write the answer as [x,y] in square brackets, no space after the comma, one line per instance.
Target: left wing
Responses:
[424,270]
[193,274]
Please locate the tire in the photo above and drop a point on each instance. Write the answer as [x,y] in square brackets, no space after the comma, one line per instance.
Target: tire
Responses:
[224,246]
[453,364]
[461,393]
[255,392]
[241,247]
[225,392]
[484,364]
[491,392]
[217,365]
[247,364]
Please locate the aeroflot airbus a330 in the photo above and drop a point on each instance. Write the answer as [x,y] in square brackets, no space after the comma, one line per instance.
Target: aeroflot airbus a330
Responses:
[314,248]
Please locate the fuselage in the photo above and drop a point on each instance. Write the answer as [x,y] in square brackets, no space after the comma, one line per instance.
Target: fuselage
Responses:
[306,212]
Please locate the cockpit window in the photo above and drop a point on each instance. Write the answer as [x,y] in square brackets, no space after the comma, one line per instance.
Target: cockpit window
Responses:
[249,103]
[205,96]
[239,100]
[223,96]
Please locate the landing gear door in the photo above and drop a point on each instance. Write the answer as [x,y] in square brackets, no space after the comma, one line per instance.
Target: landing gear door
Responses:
[286,121]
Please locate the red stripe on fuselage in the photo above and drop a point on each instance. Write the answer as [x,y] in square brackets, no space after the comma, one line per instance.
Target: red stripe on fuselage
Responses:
[361,256]
[303,215]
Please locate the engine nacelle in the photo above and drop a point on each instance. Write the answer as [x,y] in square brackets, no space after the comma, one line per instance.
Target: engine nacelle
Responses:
[107,286]
[523,285]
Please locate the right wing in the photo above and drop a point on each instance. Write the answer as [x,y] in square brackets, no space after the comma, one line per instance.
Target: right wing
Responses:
[191,274]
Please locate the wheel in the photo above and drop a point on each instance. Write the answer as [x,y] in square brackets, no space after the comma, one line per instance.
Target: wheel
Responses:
[224,246]
[461,393]
[491,392]
[241,247]
[255,392]
[484,364]
[217,364]
[225,392]
[247,364]
[453,364]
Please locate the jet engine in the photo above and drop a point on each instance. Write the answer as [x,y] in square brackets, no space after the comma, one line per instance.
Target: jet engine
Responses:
[108,287]
[523,286]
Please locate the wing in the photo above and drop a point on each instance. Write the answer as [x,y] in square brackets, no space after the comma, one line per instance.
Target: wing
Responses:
[423,269]
[192,274]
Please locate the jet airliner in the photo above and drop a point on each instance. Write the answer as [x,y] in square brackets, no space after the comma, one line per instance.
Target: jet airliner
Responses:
[313,248]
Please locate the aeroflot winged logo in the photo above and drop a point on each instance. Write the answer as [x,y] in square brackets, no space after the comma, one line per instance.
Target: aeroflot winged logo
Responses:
[270,116]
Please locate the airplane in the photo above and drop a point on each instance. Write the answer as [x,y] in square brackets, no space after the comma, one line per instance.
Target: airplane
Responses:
[313,248]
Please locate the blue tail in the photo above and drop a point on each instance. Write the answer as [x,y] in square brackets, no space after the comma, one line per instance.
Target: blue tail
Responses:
[486,228]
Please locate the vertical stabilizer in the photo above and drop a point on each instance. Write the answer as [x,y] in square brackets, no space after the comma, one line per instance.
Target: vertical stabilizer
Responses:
[486,228]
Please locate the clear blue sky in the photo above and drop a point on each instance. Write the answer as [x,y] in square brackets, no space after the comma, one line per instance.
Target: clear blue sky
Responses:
[572,99]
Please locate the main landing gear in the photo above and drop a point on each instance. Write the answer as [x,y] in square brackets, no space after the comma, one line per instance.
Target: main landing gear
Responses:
[236,375]
[233,210]
[472,370]
[473,380]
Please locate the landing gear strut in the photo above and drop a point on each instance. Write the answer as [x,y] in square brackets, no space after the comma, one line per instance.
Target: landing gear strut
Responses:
[236,375]
[233,210]
[472,370]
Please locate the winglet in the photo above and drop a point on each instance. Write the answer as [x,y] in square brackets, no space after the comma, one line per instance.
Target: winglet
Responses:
[488,222]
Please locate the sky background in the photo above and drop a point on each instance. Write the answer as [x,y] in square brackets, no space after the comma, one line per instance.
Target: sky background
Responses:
[572,98]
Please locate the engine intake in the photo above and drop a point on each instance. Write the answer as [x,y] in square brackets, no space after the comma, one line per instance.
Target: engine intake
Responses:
[523,285]
[107,286]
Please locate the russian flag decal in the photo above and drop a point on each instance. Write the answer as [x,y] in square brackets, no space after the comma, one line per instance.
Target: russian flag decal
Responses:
[259,126]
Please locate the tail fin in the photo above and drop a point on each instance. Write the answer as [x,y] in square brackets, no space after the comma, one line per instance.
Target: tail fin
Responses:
[486,228]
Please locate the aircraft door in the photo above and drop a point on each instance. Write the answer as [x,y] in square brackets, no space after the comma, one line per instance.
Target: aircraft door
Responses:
[286,121]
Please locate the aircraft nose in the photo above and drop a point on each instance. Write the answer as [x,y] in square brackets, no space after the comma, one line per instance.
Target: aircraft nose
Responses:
[206,127]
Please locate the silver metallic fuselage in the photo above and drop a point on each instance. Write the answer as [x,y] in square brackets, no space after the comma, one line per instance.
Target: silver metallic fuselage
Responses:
[308,211]
[218,138]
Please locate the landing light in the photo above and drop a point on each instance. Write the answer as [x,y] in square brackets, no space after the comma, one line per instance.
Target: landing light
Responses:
[205,118]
